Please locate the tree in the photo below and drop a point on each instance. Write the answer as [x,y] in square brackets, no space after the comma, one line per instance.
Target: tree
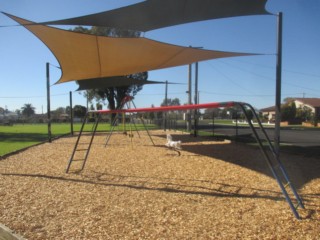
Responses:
[151,114]
[56,114]
[79,111]
[99,106]
[60,110]
[18,112]
[288,100]
[148,115]
[114,95]
[209,113]
[28,109]
[304,113]
[171,102]
[288,111]
[68,108]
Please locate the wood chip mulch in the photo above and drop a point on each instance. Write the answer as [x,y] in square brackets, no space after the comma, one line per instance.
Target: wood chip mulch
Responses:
[131,189]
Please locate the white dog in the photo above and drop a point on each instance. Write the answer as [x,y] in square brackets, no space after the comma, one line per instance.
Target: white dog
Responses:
[173,144]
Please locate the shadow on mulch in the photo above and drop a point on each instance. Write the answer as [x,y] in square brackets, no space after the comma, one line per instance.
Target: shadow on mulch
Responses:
[162,185]
[300,170]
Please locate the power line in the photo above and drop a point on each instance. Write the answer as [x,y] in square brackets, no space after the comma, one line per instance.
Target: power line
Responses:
[247,71]
[248,95]
[271,79]
[169,93]
[53,95]
[295,85]
[270,67]
[228,78]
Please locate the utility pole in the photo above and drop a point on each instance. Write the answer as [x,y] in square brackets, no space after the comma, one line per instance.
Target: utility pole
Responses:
[48,102]
[278,87]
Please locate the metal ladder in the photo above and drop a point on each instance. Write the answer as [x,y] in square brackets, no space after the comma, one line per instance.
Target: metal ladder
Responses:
[81,150]
[81,154]
[277,168]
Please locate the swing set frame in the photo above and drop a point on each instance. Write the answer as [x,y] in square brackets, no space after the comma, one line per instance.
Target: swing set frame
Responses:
[270,154]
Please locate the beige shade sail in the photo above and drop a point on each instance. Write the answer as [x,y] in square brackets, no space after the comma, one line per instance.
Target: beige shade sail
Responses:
[153,14]
[84,56]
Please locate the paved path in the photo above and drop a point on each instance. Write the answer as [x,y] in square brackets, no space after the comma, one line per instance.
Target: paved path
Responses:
[299,136]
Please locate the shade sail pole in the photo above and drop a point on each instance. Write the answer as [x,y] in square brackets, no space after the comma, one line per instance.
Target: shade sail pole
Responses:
[48,101]
[71,113]
[189,97]
[166,104]
[278,87]
[195,116]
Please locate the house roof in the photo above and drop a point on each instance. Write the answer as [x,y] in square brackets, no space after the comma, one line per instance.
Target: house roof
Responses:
[314,102]
[268,109]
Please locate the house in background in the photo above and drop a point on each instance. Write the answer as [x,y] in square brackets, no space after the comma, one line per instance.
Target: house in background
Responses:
[310,103]
[269,113]
[313,104]
[7,117]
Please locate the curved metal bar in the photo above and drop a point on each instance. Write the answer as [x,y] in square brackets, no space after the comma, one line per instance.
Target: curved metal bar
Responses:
[276,156]
[269,162]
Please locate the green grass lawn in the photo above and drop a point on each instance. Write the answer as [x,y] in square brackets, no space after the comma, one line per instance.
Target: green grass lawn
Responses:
[19,136]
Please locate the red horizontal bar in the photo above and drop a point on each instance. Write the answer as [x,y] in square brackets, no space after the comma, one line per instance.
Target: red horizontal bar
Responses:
[169,108]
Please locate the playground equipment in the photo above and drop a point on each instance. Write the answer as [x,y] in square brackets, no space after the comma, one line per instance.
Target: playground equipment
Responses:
[126,102]
[277,168]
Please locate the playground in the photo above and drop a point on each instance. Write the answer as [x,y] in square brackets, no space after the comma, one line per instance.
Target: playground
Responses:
[131,189]
[156,184]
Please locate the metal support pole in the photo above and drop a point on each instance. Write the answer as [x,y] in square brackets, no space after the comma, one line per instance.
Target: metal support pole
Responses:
[236,125]
[278,88]
[195,116]
[48,102]
[87,102]
[189,98]
[212,123]
[71,113]
[166,104]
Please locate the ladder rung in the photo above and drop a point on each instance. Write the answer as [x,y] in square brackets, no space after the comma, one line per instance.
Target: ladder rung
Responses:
[287,184]
[77,160]
[82,149]
[298,205]
[276,166]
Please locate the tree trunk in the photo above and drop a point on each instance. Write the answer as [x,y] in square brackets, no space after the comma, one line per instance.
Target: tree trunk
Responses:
[112,105]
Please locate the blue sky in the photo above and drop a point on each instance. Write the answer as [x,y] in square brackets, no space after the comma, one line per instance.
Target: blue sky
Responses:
[250,79]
